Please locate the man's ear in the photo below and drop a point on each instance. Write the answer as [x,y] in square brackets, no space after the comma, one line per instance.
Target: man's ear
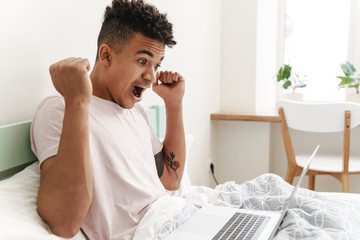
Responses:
[105,54]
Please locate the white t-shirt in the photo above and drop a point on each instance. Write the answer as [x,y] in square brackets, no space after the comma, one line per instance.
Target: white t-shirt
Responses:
[122,149]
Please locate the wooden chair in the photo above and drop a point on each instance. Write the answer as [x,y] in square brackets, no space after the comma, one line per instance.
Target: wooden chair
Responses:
[320,118]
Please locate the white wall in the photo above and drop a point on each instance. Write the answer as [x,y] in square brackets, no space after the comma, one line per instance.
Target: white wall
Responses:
[37,33]
[238,56]
[250,55]
[269,54]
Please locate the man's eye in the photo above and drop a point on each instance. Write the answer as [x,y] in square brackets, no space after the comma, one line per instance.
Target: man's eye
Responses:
[142,61]
[157,66]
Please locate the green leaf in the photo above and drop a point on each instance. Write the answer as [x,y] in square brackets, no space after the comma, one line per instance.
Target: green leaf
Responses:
[354,85]
[280,75]
[287,71]
[284,73]
[345,80]
[286,84]
[348,68]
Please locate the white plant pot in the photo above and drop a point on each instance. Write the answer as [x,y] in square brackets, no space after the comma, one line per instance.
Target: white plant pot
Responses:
[352,97]
[293,96]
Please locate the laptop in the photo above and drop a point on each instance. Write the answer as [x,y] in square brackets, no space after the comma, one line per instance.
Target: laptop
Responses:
[217,222]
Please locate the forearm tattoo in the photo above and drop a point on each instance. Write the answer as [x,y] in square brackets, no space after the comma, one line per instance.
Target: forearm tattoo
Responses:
[169,161]
[159,160]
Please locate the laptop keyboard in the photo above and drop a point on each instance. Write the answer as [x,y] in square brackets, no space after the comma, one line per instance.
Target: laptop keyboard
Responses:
[241,226]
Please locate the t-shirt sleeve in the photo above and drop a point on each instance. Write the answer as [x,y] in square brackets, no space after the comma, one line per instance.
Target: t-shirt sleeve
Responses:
[157,145]
[46,128]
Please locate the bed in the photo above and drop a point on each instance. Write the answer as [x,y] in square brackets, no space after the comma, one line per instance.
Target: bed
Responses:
[313,215]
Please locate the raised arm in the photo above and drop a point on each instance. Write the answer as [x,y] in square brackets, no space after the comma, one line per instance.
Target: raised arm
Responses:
[66,187]
[171,160]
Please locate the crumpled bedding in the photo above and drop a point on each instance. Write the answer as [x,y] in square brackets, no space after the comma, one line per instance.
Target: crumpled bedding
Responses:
[312,215]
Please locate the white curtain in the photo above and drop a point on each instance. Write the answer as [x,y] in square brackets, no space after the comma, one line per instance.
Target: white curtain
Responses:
[354,34]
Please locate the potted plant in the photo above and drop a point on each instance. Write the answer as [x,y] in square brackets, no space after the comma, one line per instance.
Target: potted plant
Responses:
[290,80]
[351,78]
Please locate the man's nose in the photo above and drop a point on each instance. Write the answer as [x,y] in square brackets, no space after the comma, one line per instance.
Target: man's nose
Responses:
[150,75]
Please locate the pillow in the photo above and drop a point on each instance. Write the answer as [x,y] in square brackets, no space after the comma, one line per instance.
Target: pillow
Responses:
[19,218]
[185,184]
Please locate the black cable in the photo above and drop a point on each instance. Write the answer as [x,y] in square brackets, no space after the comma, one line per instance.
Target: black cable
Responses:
[213,174]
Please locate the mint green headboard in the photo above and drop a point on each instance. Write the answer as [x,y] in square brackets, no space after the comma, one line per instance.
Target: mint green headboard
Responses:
[157,119]
[15,150]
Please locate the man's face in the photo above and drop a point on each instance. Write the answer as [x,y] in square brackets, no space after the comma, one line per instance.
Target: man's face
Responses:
[133,70]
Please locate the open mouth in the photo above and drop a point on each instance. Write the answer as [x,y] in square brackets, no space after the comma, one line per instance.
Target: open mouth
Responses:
[137,91]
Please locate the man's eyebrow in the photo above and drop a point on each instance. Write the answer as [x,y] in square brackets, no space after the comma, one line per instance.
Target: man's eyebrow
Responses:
[147,53]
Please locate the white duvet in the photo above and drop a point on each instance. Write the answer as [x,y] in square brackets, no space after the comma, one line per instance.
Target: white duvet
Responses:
[312,215]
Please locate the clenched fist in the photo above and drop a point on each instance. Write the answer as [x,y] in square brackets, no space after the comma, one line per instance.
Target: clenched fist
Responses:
[171,87]
[71,79]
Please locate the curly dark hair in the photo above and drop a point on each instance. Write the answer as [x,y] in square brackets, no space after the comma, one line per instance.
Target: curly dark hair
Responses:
[126,17]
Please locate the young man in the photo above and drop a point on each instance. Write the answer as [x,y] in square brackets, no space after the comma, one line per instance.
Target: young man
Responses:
[101,163]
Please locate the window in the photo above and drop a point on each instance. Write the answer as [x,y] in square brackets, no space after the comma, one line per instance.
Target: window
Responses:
[316,43]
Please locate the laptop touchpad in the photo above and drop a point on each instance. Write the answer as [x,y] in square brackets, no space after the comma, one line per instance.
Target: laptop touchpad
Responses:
[204,224]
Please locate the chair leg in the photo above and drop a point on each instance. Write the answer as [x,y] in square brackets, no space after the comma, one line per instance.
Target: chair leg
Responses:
[290,174]
[311,184]
[345,183]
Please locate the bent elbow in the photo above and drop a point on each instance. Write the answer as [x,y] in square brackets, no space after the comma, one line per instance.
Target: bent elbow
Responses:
[61,227]
[63,231]
[173,187]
